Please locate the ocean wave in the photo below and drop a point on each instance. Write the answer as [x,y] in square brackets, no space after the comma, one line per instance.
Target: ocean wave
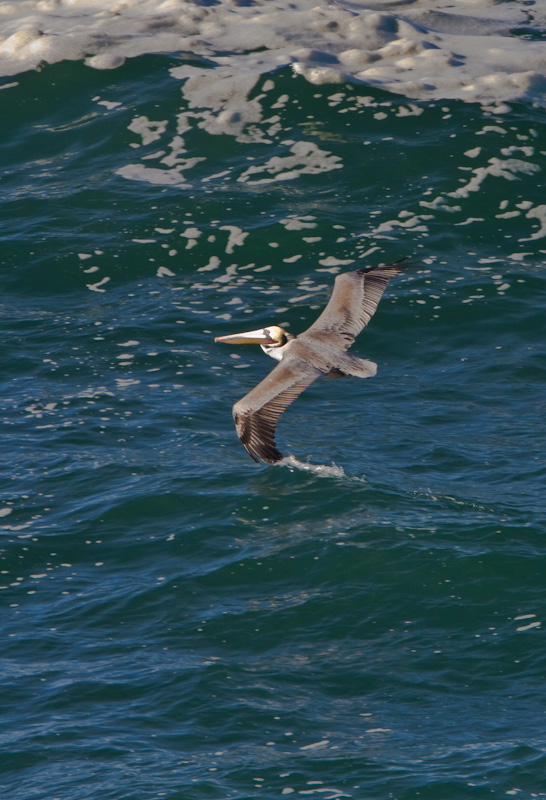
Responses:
[485,52]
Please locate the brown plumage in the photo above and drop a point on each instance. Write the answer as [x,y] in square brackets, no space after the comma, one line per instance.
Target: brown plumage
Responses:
[320,350]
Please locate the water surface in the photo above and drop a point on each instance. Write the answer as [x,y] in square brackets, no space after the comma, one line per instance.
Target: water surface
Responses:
[363,620]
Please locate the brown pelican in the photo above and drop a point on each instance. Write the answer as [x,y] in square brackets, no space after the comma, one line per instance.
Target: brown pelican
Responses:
[320,350]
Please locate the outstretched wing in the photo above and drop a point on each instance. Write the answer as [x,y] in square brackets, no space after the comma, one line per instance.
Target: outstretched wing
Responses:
[353,303]
[257,413]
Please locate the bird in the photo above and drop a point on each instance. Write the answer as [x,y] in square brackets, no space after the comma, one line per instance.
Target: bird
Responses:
[319,350]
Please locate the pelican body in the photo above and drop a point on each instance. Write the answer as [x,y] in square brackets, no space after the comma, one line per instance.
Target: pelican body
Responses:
[320,350]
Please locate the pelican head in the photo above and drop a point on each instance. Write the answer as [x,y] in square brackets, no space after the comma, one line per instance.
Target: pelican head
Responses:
[271,339]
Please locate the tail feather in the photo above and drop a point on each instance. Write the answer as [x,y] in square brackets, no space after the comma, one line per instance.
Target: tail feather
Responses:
[357,367]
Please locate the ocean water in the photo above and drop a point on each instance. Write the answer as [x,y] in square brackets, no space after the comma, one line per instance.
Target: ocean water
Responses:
[363,620]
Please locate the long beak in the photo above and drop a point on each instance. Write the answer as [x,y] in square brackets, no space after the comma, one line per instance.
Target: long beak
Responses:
[251,337]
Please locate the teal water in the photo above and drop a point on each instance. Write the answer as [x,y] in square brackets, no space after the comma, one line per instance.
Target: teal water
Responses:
[179,622]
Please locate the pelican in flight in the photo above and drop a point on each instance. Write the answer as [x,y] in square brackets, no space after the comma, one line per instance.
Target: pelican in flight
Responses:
[320,350]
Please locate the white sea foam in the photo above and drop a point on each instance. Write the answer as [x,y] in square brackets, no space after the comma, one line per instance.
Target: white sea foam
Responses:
[421,49]
[322,470]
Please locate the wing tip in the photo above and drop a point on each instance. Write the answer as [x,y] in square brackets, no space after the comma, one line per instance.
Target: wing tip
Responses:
[258,448]
[269,455]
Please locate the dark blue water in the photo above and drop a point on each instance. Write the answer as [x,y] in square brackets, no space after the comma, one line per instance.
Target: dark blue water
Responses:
[181,623]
